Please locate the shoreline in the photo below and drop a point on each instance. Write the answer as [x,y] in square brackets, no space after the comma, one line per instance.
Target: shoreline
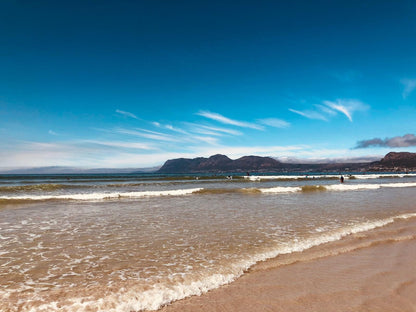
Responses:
[366,271]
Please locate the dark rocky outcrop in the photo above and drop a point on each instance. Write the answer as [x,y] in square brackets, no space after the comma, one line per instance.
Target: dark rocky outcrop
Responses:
[220,163]
[397,161]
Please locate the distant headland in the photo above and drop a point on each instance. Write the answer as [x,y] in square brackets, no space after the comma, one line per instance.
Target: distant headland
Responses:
[393,161]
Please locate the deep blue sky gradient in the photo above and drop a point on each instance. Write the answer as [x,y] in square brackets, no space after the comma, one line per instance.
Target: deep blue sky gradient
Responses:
[69,69]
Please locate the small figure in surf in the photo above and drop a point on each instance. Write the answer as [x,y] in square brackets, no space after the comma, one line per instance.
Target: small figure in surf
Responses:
[341,179]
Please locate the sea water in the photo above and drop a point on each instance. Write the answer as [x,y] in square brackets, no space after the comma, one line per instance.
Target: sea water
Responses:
[137,242]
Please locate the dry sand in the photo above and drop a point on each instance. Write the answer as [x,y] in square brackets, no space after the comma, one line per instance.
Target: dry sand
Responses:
[372,271]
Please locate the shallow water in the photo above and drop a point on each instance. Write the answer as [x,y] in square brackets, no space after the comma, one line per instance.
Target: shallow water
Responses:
[131,242]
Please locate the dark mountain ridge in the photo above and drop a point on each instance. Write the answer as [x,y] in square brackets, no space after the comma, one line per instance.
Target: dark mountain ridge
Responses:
[393,161]
[396,161]
[219,163]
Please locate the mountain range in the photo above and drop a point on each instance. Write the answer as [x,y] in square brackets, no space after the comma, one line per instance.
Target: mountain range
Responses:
[220,163]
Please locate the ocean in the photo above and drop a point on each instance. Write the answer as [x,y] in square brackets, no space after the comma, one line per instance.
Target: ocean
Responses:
[133,242]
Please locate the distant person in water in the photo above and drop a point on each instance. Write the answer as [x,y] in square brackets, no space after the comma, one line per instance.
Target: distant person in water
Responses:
[341,179]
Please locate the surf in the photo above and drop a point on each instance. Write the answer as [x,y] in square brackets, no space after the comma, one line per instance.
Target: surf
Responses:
[101,196]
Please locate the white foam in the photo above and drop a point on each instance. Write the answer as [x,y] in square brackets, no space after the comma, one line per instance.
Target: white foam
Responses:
[281,189]
[339,187]
[101,196]
[384,175]
[330,176]
[353,187]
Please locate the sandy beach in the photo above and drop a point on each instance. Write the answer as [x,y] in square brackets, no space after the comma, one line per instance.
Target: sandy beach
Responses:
[372,271]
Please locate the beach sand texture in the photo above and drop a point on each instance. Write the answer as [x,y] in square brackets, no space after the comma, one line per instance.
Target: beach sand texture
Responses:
[374,271]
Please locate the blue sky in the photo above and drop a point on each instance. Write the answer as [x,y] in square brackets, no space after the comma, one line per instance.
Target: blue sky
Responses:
[134,83]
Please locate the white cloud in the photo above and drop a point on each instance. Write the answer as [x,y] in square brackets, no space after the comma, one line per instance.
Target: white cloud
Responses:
[127,114]
[205,139]
[51,132]
[147,134]
[309,114]
[210,130]
[409,87]
[339,107]
[228,121]
[119,144]
[346,106]
[274,122]
[169,127]
[330,108]
[174,129]
[326,110]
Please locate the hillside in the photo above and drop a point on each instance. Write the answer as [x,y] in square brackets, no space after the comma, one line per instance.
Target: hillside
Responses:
[396,161]
[220,163]
[393,161]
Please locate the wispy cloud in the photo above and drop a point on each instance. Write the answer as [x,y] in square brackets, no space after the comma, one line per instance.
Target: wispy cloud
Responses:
[127,114]
[51,132]
[223,130]
[326,110]
[346,106]
[147,134]
[309,114]
[274,122]
[211,130]
[331,108]
[228,121]
[175,129]
[205,139]
[120,144]
[409,87]
[169,127]
[398,141]
[340,108]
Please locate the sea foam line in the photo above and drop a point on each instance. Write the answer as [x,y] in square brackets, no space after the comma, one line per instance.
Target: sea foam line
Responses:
[335,187]
[101,196]
[329,176]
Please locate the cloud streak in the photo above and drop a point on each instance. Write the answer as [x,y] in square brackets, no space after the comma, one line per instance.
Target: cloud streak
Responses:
[331,108]
[347,106]
[121,144]
[228,121]
[127,114]
[309,114]
[147,134]
[274,122]
[398,141]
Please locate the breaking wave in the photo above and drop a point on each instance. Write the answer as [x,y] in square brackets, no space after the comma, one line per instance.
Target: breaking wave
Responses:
[201,191]
[328,177]
[335,187]
[100,196]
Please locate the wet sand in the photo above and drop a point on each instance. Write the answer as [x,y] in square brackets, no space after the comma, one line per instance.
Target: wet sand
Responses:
[372,271]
